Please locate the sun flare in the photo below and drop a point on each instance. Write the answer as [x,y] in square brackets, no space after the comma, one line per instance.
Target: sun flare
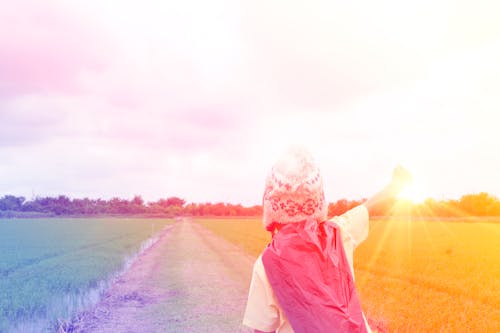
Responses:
[413,193]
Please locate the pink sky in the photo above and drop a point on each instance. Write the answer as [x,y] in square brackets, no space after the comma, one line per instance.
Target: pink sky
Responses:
[197,99]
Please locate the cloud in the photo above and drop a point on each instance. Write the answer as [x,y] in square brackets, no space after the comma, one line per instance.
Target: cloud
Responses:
[44,47]
[30,119]
[198,99]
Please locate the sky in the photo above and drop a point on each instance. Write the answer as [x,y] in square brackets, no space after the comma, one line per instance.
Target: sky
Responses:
[198,99]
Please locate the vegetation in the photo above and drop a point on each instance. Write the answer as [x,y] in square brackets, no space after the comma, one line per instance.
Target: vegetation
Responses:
[52,268]
[12,206]
[481,204]
[413,276]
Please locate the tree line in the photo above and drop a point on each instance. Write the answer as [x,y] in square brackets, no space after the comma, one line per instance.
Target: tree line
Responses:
[62,205]
[477,204]
[481,204]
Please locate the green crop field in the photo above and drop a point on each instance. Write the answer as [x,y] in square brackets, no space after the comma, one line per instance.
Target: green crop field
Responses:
[51,268]
[414,276]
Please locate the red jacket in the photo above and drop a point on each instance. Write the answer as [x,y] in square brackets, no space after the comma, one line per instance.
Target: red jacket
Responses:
[308,270]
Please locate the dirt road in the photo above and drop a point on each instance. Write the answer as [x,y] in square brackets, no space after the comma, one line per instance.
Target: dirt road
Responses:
[189,281]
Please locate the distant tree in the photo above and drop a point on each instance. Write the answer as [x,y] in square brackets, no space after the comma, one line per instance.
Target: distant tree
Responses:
[191,209]
[61,205]
[481,204]
[218,209]
[172,201]
[33,206]
[137,205]
[11,202]
[118,206]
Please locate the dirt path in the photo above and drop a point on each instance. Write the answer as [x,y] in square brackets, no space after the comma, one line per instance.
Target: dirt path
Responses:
[190,281]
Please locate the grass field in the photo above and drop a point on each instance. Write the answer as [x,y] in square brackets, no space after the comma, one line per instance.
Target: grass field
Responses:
[414,276]
[50,268]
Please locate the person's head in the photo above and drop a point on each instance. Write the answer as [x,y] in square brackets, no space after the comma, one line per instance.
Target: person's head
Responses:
[294,190]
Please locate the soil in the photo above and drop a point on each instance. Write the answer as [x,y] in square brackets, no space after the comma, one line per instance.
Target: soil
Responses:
[190,280]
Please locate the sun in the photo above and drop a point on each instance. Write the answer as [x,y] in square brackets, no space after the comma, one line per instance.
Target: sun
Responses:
[413,193]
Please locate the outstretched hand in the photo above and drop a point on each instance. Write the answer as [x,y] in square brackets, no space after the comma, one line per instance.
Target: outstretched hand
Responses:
[400,179]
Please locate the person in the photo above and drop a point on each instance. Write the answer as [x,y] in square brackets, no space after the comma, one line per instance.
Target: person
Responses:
[303,282]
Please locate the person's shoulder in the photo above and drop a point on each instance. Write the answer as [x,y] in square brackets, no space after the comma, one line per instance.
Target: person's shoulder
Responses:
[353,224]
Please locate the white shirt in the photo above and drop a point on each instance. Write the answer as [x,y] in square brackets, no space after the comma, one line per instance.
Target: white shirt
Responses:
[263,311]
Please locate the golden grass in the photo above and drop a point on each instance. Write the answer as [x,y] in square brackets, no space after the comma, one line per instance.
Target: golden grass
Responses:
[247,233]
[414,276]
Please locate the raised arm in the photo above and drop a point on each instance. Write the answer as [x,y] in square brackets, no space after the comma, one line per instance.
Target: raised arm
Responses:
[400,179]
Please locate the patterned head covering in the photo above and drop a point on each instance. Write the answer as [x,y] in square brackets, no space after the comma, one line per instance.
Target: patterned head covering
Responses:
[294,190]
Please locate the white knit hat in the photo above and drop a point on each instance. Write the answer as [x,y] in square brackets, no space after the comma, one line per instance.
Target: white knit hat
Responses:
[294,190]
